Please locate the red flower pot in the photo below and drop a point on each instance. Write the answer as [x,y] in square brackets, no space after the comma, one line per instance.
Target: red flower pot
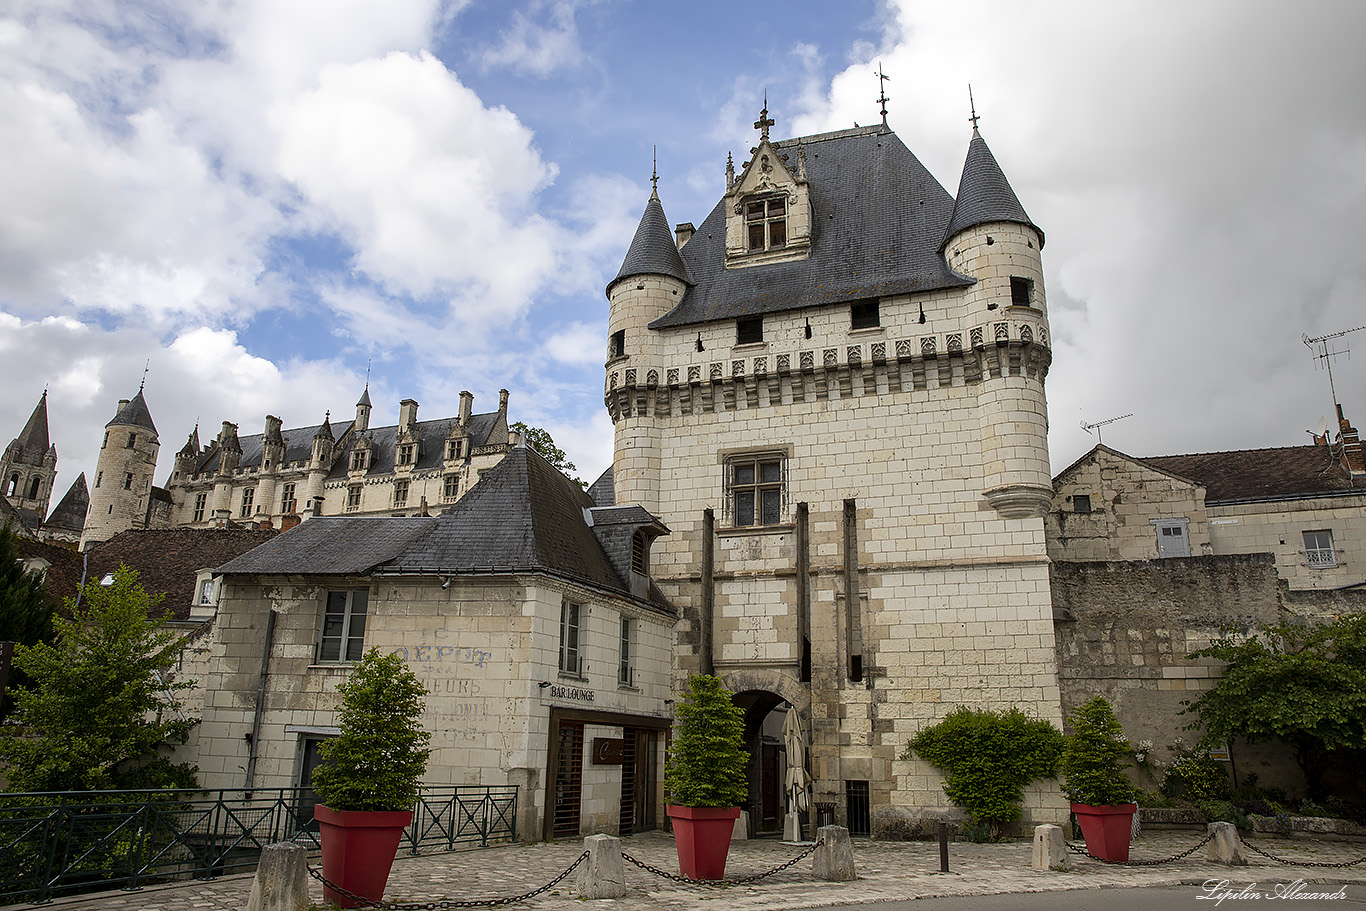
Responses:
[702,836]
[1106,829]
[358,850]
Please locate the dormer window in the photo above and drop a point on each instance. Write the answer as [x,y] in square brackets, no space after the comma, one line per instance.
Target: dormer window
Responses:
[455,449]
[406,453]
[359,457]
[766,223]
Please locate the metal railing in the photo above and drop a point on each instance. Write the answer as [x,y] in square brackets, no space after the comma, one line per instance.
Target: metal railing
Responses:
[54,844]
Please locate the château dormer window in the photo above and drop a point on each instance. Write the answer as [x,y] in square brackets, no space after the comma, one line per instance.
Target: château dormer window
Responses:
[359,458]
[405,453]
[766,223]
[455,449]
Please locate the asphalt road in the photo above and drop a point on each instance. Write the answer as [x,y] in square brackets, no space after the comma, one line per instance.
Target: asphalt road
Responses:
[1242,894]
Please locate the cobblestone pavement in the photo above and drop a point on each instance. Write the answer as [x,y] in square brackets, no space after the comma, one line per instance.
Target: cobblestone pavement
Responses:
[887,870]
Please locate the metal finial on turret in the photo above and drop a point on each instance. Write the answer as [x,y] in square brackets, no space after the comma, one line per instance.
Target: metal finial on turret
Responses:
[973,107]
[764,121]
[144,377]
[654,172]
[882,80]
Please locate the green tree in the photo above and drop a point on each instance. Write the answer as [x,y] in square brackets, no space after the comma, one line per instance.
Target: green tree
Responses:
[541,441]
[25,612]
[1092,761]
[708,760]
[101,707]
[1302,684]
[378,759]
[989,757]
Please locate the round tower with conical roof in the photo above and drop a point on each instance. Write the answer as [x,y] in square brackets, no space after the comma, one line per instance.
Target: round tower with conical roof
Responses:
[651,282]
[990,238]
[121,494]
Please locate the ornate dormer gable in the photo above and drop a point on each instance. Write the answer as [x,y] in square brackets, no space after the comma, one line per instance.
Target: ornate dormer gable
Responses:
[407,443]
[768,207]
[361,454]
[231,450]
[456,446]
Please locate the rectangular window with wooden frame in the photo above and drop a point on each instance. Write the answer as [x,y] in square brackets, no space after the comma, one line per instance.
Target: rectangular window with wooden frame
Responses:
[401,492]
[287,502]
[248,500]
[766,223]
[201,501]
[450,487]
[406,453]
[353,498]
[1318,549]
[343,632]
[571,659]
[756,489]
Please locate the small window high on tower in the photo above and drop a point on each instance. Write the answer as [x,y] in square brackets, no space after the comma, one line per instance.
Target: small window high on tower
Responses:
[1021,292]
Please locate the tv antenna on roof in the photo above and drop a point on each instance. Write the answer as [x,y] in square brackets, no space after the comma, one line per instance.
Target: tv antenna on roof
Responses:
[1099,424]
[1323,352]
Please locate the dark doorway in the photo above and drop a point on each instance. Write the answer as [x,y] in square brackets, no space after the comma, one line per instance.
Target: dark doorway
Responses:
[309,761]
[637,781]
[764,713]
[567,786]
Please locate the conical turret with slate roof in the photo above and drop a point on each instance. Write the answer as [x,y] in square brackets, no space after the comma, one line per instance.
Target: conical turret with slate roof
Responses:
[121,496]
[984,194]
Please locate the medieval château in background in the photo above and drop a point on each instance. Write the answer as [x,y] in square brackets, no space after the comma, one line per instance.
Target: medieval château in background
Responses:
[273,478]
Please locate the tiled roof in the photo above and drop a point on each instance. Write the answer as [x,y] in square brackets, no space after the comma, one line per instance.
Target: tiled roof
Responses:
[1288,472]
[167,559]
[63,575]
[878,217]
[341,545]
[984,194]
[654,250]
[134,414]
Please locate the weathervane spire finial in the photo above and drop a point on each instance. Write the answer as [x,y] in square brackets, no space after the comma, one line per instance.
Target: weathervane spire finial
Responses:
[146,368]
[764,121]
[972,106]
[882,80]
[654,173]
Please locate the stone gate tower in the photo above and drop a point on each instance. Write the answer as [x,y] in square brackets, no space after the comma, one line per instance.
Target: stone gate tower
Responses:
[28,467]
[832,391]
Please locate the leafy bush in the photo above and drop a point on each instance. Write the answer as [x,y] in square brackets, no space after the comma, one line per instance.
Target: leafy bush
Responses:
[708,760]
[378,759]
[1091,757]
[1311,808]
[1152,799]
[1195,777]
[1223,811]
[989,757]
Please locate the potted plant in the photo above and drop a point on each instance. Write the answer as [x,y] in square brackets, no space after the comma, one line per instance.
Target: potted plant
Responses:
[368,780]
[705,777]
[1101,793]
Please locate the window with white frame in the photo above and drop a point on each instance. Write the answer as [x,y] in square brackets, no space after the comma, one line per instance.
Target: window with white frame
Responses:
[206,591]
[343,632]
[626,670]
[570,656]
[755,492]
[1318,548]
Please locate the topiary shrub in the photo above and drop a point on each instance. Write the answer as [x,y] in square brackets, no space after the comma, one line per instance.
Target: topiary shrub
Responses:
[1091,758]
[708,760]
[378,759]
[1223,811]
[989,757]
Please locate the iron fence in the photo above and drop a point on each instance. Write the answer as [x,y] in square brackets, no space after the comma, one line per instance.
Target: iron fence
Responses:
[54,844]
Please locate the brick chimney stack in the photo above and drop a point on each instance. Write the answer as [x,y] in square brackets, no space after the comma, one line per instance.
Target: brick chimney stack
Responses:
[1353,455]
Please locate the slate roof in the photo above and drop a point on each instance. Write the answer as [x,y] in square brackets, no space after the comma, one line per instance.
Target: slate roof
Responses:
[333,545]
[523,516]
[134,414]
[33,440]
[602,491]
[654,250]
[22,520]
[984,195]
[877,220]
[70,512]
[1289,472]
[384,440]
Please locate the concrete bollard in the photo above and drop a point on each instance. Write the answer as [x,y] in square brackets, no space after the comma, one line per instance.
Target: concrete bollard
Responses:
[740,831]
[1225,847]
[602,874]
[281,882]
[833,861]
[1050,848]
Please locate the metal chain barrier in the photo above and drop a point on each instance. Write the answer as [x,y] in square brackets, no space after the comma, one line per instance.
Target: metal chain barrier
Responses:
[362,902]
[1304,863]
[721,882]
[1078,849]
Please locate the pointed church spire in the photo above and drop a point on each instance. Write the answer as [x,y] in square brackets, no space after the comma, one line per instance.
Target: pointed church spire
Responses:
[325,431]
[33,439]
[984,194]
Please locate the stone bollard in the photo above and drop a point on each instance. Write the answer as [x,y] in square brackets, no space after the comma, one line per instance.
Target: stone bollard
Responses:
[740,831]
[281,882]
[1050,848]
[833,861]
[1225,847]
[602,875]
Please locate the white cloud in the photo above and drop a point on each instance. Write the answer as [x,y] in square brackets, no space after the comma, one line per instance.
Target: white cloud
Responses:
[579,344]
[541,40]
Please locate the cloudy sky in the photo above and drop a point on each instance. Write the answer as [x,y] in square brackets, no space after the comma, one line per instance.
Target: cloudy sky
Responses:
[262,198]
